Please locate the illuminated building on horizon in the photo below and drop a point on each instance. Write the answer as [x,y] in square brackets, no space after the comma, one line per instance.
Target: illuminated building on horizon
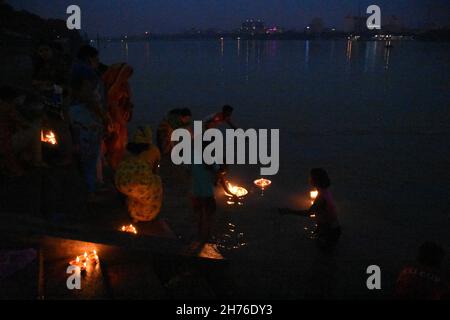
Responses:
[252,26]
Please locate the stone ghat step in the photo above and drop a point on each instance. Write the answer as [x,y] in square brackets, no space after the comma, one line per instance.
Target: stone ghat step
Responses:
[156,239]
[128,269]
[120,274]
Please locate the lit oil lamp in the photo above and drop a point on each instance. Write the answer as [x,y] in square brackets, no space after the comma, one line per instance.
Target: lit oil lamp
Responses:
[85,259]
[49,137]
[79,263]
[313,195]
[236,191]
[93,257]
[129,229]
[262,183]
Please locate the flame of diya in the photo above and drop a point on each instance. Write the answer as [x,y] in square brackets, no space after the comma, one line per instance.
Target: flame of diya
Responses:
[129,229]
[262,183]
[48,136]
[237,191]
[83,260]
[313,195]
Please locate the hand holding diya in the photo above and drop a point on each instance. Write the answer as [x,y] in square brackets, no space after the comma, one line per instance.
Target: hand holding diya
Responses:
[313,195]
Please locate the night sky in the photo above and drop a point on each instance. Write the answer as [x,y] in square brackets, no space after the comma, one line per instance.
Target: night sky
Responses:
[115,17]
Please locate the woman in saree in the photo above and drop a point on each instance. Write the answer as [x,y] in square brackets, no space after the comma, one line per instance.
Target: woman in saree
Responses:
[137,177]
[120,108]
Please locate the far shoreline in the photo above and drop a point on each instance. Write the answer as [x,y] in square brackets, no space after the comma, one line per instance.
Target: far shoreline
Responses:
[427,36]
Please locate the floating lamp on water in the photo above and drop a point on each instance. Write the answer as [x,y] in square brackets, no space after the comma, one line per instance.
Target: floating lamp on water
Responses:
[236,191]
[263,184]
[129,229]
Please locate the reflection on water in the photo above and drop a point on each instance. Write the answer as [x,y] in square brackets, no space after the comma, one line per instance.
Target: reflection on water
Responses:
[310,227]
[147,52]
[333,48]
[349,50]
[230,238]
[307,53]
[387,55]
[365,82]
[371,55]
[239,47]
[125,51]
[367,113]
[272,48]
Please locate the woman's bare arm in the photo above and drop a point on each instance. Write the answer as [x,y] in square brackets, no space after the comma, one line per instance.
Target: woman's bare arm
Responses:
[304,213]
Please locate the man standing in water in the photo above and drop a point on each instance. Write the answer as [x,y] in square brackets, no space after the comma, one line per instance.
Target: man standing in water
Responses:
[219,118]
[204,180]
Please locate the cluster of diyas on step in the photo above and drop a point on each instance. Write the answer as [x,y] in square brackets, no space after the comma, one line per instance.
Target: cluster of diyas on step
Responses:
[129,229]
[85,260]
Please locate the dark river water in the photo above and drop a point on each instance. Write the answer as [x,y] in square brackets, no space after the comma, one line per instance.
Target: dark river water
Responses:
[314,86]
[377,119]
